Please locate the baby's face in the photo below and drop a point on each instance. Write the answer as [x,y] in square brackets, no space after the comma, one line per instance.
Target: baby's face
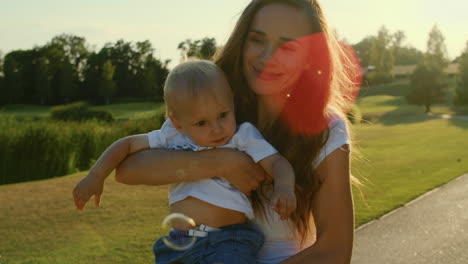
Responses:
[208,121]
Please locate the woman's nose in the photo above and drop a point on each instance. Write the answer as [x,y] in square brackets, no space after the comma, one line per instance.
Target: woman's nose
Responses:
[268,57]
[267,52]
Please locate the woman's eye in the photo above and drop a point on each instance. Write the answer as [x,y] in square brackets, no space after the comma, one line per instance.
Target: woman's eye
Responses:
[256,40]
[288,48]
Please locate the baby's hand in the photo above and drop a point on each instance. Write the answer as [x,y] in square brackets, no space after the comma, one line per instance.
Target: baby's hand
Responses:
[87,187]
[283,202]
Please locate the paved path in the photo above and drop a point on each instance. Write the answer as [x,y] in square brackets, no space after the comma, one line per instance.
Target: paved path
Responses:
[447,116]
[431,229]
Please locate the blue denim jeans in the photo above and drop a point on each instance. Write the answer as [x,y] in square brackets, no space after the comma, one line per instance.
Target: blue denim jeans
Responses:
[234,244]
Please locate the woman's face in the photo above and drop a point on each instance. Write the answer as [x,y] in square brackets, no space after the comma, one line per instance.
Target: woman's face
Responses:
[273,55]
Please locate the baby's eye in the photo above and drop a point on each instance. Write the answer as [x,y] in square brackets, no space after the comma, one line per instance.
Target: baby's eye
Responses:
[223,114]
[200,123]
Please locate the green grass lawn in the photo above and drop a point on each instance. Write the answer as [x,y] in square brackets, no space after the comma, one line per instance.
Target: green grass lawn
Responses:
[383,107]
[24,110]
[39,223]
[402,161]
[404,153]
[133,110]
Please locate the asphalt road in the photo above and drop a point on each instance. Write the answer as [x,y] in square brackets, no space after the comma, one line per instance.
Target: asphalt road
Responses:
[431,229]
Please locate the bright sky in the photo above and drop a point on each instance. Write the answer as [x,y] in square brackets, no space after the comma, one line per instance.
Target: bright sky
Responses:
[26,23]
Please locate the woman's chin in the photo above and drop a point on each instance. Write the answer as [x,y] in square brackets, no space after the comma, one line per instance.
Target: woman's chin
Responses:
[269,88]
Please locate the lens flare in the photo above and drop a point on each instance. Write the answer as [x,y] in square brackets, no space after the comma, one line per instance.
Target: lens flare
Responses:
[304,75]
[178,225]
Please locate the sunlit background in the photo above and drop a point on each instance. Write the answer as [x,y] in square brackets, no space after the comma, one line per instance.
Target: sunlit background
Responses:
[167,23]
[59,113]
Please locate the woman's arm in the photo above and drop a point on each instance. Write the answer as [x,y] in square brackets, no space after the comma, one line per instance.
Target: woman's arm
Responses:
[163,166]
[333,213]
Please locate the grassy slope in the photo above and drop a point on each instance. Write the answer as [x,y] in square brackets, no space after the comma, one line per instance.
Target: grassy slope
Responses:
[405,154]
[403,161]
[40,225]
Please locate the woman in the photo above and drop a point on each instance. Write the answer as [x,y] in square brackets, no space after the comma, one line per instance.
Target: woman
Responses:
[290,78]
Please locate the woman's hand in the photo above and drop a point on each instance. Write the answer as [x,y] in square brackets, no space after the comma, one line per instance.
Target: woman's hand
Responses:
[241,171]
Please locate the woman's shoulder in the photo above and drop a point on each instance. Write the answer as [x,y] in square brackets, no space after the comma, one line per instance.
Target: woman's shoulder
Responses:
[338,136]
[337,125]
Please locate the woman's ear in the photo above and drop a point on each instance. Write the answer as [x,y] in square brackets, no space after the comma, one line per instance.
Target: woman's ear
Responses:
[176,124]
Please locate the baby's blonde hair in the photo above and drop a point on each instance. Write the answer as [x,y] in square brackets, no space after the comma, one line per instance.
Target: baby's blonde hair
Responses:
[192,79]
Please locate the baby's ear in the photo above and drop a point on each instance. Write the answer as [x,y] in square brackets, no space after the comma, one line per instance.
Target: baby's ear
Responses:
[176,124]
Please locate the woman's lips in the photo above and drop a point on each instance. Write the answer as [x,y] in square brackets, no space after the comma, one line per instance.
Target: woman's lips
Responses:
[265,75]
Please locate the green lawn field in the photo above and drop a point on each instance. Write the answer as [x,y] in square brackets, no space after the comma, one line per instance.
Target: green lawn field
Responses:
[403,154]
[134,110]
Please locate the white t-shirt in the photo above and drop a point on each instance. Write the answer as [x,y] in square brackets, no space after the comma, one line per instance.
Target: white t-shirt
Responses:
[281,241]
[216,191]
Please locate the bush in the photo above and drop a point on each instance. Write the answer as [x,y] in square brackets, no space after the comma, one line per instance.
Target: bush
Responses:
[43,149]
[379,77]
[78,112]
[100,115]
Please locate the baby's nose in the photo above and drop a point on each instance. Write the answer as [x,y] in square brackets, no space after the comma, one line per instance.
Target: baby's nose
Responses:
[217,127]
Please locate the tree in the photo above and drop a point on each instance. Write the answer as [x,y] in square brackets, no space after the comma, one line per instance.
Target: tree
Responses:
[1,63]
[107,85]
[65,83]
[67,56]
[408,56]
[127,65]
[429,81]
[92,76]
[203,48]
[207,48]
[428,85]
[154,77]
[188,48]
[461,93]
[436,49]
[381,57]
[397,43]
[363,49]
[41,82]
[12,84]
[2,92]
[73,50]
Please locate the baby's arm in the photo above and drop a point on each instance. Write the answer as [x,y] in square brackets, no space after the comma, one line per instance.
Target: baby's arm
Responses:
[93,183]
[283,199]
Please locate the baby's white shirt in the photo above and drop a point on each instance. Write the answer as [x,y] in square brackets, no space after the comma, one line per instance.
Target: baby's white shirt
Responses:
[216,191]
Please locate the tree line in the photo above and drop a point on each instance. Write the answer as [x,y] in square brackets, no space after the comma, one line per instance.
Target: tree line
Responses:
[429,82]
[66,69]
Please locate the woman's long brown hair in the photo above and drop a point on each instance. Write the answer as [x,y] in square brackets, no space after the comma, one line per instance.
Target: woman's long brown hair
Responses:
[300,150]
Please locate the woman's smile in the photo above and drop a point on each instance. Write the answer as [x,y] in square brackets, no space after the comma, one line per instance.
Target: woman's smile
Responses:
[267,75]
